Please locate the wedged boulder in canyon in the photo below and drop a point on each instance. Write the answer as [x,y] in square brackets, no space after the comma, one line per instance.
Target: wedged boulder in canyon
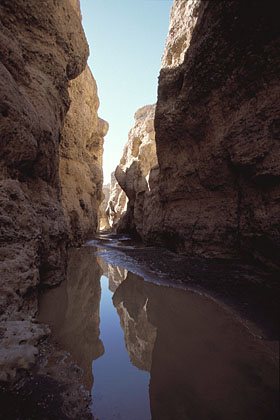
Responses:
[42,48]
[134,173]
[217,132]
[81,153]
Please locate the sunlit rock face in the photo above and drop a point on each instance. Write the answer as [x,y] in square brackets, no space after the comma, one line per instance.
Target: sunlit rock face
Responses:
[81,153]
[134,171]
[72,311]
[42,48]
[117,203]
[217,132]
[183,18]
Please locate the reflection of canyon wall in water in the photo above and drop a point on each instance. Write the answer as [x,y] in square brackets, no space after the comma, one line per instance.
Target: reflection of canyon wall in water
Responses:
[131,301]
[116,275]
[72,310]
[204,363]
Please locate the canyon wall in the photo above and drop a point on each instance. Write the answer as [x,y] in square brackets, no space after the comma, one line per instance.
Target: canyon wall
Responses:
[135,171]
[81,155]
[42,48]
[217,132]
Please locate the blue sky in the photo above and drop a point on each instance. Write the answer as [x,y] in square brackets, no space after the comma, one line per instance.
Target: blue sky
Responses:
[126,40]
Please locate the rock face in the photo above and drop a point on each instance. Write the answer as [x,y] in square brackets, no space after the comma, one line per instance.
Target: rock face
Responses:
[134,173]
[183,18]
[117,203]
[217,132]
[103,219]
[81,153]
[42,48]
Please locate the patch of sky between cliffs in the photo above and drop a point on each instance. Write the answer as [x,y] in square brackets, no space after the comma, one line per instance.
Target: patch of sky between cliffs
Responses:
[126,40]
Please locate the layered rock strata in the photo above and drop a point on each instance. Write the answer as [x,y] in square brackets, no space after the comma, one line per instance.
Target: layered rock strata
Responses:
[135,173]
[42,48]
[81,155]
[217,132]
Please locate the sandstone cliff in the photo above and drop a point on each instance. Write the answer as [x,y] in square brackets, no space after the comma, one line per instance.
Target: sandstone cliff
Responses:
[81,153]
[42,48]
[135,171]
[217,132]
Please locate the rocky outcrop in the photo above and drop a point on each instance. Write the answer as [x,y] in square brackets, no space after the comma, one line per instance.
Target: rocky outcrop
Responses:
[183,18]
[135,171]
[217,132]
[117,203]
[81,155]
[42,48]
[19,347]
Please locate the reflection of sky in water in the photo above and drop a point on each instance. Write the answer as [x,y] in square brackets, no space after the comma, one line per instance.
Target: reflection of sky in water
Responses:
[120,390]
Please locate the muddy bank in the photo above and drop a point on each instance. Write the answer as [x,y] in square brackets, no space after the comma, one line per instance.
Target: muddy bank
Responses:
[251,291]
[51,390]
[58,384]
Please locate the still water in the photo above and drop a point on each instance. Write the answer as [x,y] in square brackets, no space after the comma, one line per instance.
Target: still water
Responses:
[156,352]
[120,390]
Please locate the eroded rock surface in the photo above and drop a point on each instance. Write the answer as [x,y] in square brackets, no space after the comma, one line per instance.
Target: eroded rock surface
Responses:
[217,132]
[19,347]
[183,18]
[81,154]
[134,173]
